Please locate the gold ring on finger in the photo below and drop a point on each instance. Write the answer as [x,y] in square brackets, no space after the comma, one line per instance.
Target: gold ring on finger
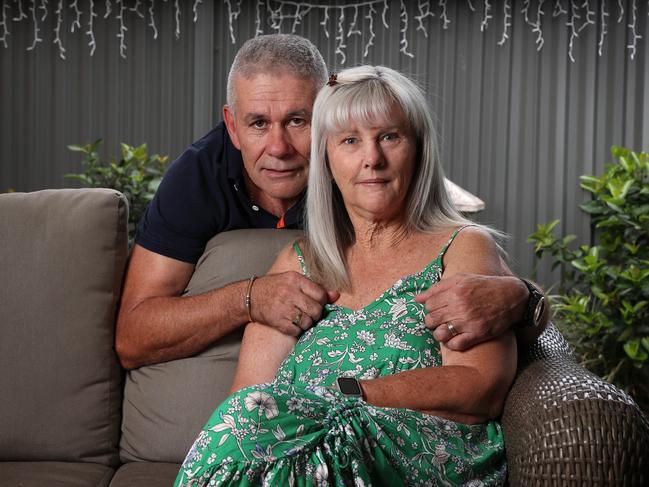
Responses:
[298,318]
[452,329]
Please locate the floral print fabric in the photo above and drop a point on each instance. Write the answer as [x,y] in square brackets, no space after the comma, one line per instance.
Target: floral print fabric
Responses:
[300,431]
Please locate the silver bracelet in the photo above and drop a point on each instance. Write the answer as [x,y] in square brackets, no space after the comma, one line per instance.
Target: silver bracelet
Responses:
[246,300]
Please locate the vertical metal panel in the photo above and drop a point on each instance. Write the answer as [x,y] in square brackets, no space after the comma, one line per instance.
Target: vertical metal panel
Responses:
[517,127]
[48,103]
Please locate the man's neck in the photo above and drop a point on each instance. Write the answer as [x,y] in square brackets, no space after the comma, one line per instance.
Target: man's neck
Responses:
[274,206]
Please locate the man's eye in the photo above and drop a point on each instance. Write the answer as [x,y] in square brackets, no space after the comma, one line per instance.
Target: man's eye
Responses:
[297,122]
[259,124]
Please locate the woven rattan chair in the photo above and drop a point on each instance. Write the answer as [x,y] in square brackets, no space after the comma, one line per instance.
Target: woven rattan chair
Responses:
[565,426]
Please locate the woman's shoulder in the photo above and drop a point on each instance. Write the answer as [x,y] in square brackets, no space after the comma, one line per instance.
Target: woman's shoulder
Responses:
[471,235]
[472,248]
[289,258]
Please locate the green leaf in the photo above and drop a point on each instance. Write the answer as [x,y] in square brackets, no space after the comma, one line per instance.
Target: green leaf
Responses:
[567,239]
[627,164]
[633,350]
[593,207]
[77,148]
[645,343]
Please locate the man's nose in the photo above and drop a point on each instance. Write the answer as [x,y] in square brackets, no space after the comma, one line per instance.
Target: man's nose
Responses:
[279,142]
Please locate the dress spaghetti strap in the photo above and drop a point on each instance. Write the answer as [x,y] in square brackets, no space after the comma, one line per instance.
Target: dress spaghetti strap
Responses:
[450,241]
[300,258]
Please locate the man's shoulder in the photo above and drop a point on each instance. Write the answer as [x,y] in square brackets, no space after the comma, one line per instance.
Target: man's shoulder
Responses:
[215,146]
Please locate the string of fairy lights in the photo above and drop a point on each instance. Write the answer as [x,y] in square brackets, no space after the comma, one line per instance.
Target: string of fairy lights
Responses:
[341,21]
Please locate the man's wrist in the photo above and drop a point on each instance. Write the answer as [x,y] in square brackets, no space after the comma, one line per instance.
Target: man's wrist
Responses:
[534,306]
[247,300]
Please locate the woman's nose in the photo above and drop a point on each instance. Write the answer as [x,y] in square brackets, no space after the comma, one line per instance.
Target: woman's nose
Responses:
[373,156]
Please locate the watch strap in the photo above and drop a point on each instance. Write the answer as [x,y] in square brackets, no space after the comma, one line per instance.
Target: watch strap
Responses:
[535,306]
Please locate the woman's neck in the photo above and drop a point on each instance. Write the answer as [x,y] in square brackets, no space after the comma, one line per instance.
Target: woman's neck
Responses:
[378,236]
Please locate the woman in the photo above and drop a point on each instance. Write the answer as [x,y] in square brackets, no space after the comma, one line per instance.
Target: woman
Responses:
[417,413]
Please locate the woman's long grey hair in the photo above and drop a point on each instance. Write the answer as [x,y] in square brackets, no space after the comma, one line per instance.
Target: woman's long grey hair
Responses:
[365,95]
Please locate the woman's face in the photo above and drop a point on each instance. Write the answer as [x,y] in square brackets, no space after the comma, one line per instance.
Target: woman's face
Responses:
[373,166]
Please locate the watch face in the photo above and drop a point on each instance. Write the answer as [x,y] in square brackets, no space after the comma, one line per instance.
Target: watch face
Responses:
[349,386]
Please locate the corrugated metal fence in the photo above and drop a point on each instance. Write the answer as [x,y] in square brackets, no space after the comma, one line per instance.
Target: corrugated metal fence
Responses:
[518,126]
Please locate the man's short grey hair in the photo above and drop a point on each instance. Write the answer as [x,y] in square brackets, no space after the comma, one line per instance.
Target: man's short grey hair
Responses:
[365,95]
[279,54]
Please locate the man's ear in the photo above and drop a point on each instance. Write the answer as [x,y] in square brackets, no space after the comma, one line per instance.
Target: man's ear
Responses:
[228,117]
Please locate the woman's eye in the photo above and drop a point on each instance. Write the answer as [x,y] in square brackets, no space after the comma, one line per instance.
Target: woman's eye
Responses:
[390,136]
[349,140]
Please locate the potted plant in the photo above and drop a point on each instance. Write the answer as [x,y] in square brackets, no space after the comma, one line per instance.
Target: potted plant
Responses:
[135,174]
[602,305]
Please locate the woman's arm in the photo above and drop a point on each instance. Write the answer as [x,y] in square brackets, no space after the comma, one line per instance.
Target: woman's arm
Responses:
[471,386]
[263,348]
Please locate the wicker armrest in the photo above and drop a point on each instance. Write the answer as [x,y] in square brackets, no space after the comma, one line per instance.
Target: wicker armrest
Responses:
[565,426]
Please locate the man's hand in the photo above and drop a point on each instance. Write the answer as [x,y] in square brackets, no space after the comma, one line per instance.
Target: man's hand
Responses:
[288,301]
[479,308]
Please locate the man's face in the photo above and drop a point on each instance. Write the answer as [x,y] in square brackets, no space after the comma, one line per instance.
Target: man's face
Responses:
[271,126]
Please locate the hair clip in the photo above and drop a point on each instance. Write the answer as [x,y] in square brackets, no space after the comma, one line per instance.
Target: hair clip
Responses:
[333,80]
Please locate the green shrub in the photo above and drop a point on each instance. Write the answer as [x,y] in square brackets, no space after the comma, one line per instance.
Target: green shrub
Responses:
[603,302]
[135,174]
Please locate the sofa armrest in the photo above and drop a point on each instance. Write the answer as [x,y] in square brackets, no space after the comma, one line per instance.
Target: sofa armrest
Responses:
[565,426]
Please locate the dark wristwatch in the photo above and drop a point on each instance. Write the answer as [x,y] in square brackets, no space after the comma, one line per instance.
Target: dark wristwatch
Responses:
[535,307]
[349,386]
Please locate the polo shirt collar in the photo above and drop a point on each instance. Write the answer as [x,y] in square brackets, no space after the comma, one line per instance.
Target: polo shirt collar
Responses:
[234,162]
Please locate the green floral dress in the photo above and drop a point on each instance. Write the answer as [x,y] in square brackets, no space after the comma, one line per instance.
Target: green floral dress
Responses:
[299,431]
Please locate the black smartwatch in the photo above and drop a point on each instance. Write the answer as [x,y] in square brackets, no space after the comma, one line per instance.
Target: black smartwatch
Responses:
[349,386]
[535,307]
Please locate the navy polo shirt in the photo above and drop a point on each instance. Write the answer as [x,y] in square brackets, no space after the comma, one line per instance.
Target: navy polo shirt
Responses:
[203,193]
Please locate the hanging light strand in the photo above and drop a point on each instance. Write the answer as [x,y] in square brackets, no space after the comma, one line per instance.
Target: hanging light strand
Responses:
[91,28]
[537,26]
[344,19]
[507,23]
[37,39]
[486,16]
[76,23]
[43,7]
[634,33]
[370,41]
[121,35]
[3,24]
[404,31]
[151,23]
[21,14]
[424,11]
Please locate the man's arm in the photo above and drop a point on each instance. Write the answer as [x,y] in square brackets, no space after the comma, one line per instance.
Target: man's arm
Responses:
[155,324]
[480,308]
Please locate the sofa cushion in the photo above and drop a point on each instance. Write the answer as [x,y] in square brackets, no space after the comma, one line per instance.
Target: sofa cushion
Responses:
[55,474]
[62,260]
[165,405]
[146,474]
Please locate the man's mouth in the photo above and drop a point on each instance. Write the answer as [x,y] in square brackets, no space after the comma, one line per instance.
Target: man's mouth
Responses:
[279,173]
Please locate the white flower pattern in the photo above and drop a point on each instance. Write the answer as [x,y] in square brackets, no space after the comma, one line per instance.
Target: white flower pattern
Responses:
[265,402]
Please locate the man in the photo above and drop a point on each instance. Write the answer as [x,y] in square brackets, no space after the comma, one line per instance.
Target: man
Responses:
[251,172]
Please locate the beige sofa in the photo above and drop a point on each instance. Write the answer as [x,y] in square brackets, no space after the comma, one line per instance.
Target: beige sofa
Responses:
[70,416]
